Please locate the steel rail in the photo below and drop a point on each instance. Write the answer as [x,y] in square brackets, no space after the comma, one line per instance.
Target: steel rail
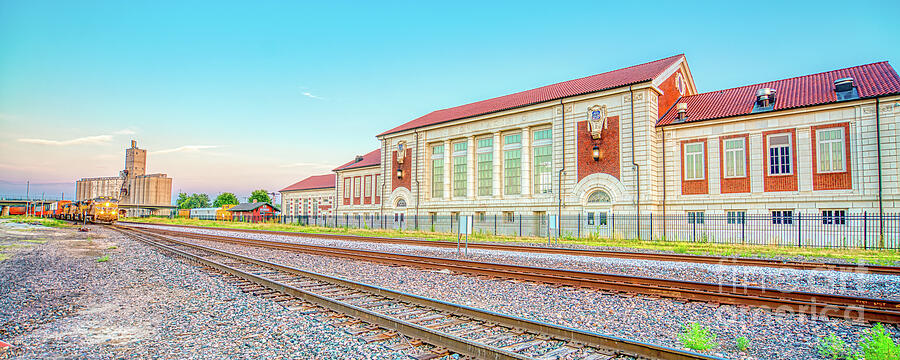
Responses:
[820,304]
[452,342]
[703,259]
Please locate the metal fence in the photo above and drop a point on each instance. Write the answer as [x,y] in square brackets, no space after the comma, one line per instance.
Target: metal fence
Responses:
[830,230]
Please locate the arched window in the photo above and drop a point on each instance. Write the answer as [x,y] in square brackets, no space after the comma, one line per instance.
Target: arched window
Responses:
[598,197]
[401,203]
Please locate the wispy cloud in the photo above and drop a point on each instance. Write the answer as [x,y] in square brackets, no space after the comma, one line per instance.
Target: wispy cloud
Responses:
[185,148]
[311,96]
[86,140]
[306,164]
[97,139]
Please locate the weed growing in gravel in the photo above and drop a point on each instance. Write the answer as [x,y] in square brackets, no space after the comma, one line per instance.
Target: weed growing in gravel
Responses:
[834,348]
[103,258]
[876,344]
[3,256]
[36,241]
[112,247]
[742,343]
[697,337]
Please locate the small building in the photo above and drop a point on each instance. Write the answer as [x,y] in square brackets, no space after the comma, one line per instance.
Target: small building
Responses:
[255,211]
[308,199]
[359,189]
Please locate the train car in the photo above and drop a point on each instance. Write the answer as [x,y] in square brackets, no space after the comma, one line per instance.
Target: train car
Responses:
[17,210]
[104,210]
[223,214]
[56,208]
[184,213]
[204,213]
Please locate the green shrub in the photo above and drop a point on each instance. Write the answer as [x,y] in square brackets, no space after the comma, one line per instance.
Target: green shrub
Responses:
[103,258]
[742,343]
[834,348]
[876,344]
[697,337]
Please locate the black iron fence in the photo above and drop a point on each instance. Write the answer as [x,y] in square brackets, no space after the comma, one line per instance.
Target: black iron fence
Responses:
[825,230]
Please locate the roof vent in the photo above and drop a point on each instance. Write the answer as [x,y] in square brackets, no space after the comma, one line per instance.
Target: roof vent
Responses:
[358,158]
[682,111]
[765,100]
[845,89]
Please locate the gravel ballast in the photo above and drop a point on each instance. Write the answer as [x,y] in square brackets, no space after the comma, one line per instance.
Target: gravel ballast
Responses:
[58,301]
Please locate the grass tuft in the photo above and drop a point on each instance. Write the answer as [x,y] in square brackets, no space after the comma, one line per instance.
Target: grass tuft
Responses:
[103,259]
[834,348]
[697,337]
[876,344]
[742,343]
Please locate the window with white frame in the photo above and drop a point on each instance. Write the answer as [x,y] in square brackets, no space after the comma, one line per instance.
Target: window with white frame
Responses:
[460,167]
[590,218]
[376,185]
[485,158]
[694,164]
[830,154]
[780,157]
[512,164]
[356,187]
[509,216]
[735,217]
[347,188]
[437,171]
[735,157]
[835,217]
[782,217]
[543,161]
[367,186]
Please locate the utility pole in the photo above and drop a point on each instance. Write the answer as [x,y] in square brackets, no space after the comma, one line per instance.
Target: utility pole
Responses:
[27,188]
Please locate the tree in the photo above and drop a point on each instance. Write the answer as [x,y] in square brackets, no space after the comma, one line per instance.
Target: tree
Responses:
[260,196]
[225,199]
[185,201]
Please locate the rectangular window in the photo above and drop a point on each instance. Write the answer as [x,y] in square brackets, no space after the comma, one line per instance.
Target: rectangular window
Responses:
[543,161]
[460,154]
[356,187]
[367,186]
[695,217]
[347,188]
[830,153]
[782,217]
[590,218]
[480,216]
[780,154]
[509,217]
[835,217]
[437,171]
[735,158]
[512,164]
[377,186]
[735,217]
[601,218]
[485,160]
[694,165]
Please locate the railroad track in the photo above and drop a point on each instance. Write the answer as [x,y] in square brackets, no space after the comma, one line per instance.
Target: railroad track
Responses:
[704,259]
[438,329]
[841,306]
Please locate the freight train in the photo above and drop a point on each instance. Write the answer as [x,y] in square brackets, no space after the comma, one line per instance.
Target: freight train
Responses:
[103,210]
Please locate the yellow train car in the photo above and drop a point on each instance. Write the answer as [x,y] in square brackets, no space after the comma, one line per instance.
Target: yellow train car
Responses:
[98,210]
[223,214]
[184,213]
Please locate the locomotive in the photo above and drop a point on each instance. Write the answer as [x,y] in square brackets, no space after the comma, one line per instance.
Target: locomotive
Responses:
[102,209]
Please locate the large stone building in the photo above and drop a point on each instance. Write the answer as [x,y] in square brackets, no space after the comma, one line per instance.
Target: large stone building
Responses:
[642,140]
[139,193]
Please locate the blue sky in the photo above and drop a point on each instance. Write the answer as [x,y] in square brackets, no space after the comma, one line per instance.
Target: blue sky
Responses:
[230,96]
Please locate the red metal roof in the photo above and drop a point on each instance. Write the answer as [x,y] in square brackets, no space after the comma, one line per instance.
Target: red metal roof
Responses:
[313,182]
[608,80]
[371,159]
[871,80]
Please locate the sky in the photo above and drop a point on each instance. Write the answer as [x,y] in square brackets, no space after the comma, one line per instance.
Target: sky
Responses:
[235,96]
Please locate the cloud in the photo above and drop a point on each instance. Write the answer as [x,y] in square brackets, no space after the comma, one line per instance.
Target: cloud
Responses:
[125,132]
[186,148]
[305,164]
[311,96]
[97,139]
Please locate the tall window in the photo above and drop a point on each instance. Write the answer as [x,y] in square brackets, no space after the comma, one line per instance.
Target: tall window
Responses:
[485,167]
[347,188]
[780,154]
[694,165]
[830,153]
[437,171]
[735,157]
[543,161]
[356,187]
[460,154]
[367,186]
[377,186]
[512,164]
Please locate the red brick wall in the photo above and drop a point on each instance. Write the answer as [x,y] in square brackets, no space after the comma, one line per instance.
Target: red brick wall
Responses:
[609,149]
[347,191]
[406,166]
[670,92]
[836,180]
[780,182]
[696,187]
[734,185]
[367,184]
